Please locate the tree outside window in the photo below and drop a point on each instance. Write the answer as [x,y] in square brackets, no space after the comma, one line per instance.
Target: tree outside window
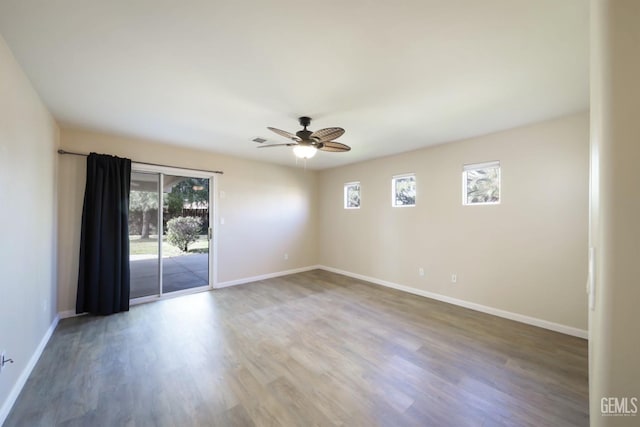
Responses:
[352,195]
[481,183]
[403,190]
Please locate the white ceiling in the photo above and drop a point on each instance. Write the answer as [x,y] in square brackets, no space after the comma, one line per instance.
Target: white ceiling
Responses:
[397,75]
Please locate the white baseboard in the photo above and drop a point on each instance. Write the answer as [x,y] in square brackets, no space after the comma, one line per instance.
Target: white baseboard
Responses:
[24,376]
[69,313]
[264,276]
[568,330]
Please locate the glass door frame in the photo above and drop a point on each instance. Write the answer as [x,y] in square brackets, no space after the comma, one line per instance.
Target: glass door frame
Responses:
[212,232]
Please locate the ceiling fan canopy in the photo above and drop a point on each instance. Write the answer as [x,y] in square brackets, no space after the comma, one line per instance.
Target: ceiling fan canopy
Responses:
[306,142]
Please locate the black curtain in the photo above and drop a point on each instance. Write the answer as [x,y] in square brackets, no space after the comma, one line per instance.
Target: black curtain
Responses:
[103,277]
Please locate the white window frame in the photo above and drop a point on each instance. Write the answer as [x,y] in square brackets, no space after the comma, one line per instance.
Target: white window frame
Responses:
[476,166]
[393,190]
[213,220]
[347,185]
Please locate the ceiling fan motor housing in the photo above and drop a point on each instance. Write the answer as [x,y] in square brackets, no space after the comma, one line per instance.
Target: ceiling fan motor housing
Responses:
[304,135]
[304,121]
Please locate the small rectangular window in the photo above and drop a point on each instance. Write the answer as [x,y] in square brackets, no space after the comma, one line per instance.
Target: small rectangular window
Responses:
[403,190]
[481,183]
[352,195]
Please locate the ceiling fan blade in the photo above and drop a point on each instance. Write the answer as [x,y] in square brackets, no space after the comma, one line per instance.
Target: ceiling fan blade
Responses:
[289,144]
[327,134]
[284,133]
[332,146]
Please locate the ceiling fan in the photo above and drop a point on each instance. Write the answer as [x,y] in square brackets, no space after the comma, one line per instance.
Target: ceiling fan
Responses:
[306,143]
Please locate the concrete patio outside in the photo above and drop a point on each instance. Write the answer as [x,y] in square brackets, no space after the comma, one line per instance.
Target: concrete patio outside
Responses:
[179,273]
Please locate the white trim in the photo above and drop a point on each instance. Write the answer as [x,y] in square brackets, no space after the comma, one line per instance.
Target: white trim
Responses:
[24,376]
[170,170]
[568,330]
[475,166]
[214,215]
[403,175]
[173,294]
[212,243]
[591,278]
[69,313]
[484,165]
[160,228]
[351,184]
[266,276]
[393,190]
[481,204]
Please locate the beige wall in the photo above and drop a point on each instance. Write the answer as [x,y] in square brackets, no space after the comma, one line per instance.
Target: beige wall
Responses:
[269,210]
[614,342]
[28,140]
[527,255]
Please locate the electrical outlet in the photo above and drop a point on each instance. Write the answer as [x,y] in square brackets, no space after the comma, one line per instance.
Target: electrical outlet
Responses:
[421,272]
[454,278]
[286,256]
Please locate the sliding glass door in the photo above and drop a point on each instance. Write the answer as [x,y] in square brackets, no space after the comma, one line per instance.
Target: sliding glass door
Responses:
[186,222]
[144,253]
[170,217]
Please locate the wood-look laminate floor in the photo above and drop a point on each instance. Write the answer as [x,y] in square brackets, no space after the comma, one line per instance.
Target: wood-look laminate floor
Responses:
[310,349]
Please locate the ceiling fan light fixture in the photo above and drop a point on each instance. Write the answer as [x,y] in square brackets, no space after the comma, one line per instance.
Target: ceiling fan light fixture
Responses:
[306,143]
[304,151]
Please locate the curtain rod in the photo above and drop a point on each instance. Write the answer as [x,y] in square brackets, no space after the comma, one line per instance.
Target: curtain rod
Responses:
[61,151]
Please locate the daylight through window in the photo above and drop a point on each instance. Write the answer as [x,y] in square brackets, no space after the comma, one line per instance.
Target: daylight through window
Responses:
[481,183]
[403,190]
[352,195]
